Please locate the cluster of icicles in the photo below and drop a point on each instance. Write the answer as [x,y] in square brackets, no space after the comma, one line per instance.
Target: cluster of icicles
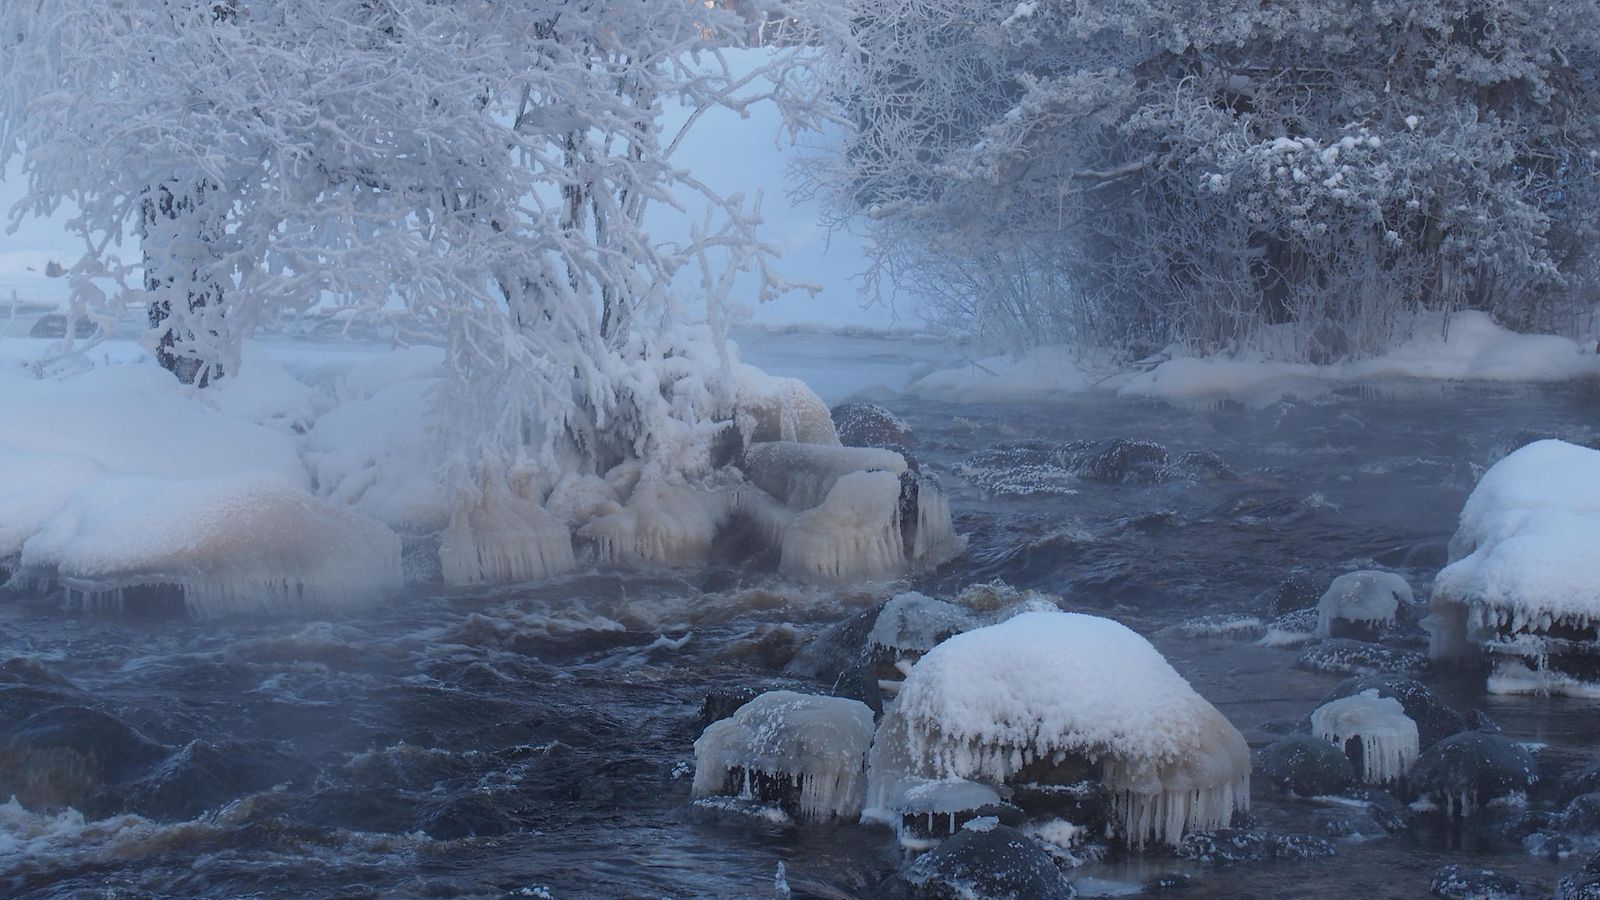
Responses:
[1389,742]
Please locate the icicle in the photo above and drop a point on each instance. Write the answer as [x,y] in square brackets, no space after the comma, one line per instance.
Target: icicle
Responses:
[853,535]
[1389,743]
[936,541]
[663,524]
[504,538]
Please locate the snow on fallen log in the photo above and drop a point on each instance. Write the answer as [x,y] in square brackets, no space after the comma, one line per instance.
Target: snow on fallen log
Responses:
[804,752]
[253,542]
[1523,571]
[1051,689]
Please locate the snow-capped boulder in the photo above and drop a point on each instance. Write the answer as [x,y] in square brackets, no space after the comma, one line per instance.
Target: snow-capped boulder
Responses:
[1359,605]
[870,425]
[987,859]
[1523,583]
[1375,732]
[802,752]
[1435,719]
[1044,691]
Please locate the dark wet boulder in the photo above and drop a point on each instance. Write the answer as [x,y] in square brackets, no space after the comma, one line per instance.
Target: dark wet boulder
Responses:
[1465,771]
[202,776]
[870,425]
[1347,657]
[997,862]
[721,703]
[842,646]
[63,755]
[1198,465]
[1435,719]
[1305,765]
[1458,882]
[55,325]
[1049,467]
[1582,815]
[1583,884]
[1298,591]
[1119,460]
[1230,846]
[860,683]
[1585,782]
[467,816]
[1365,812]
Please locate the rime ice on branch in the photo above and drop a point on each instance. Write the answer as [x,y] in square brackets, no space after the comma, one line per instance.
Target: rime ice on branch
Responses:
[1050,690]
[1523,584]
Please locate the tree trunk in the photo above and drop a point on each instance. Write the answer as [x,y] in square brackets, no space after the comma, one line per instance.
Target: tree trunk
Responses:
[178,241]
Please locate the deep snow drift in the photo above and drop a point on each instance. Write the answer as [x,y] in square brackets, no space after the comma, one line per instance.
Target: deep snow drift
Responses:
[1049,687]
[1523,583]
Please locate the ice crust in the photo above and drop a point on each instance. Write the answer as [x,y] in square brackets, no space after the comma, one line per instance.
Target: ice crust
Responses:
[819,744]
[1043,685]
[1367,597]
[1389,742]
[1523,558]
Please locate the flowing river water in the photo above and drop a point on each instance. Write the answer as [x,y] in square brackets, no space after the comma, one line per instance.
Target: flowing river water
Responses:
[537,741]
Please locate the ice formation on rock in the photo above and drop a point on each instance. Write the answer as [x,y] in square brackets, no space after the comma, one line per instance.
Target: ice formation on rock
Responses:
[1387,736]
[853,535]
[1052,688]
[773,408]
[802,475]
[781,742]
[913,623]
[1360,604]
[662,524]
[232,544]
[504,538]
[1523,583]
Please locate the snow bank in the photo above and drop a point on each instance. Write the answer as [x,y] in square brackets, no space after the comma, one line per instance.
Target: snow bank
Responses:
[1045,686]
[1465,347]
[1389,742]
[378,455]
[238,543]
[815,745]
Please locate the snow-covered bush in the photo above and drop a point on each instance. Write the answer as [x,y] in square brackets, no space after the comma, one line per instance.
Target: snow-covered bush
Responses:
[1132,173]
[1523,583]
[1044,690]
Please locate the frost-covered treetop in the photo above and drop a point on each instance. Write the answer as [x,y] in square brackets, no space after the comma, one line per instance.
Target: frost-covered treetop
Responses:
[1052,681]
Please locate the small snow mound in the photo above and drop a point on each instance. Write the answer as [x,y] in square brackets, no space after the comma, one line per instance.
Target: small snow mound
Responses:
[814,745]
[250,542]
[1389,742]
[1047,685]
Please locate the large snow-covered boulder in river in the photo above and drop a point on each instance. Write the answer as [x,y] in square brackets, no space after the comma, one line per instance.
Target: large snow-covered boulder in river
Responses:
[1047,693]
[1523,583]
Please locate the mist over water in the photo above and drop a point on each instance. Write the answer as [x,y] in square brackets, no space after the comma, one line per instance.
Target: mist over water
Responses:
[539,739]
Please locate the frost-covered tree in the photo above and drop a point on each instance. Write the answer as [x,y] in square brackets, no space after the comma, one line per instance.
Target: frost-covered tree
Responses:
[478,174]
[1133,172]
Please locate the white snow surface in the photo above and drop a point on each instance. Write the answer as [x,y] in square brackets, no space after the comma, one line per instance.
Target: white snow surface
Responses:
[984,704]
[819,743]
[1524,553]
[1468,346]
[1389,742]
[1369,597]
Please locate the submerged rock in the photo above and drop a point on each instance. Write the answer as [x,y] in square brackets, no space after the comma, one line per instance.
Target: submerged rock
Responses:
[1048,467]
[995,862]
[1348,657]
[203,776]
[1465,771]
[1583,884]
[1305,765]
[467,816]
[64,755]
[1458,882]
[1227,846]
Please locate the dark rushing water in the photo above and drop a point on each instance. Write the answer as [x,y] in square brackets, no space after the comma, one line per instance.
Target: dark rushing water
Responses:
[316,758]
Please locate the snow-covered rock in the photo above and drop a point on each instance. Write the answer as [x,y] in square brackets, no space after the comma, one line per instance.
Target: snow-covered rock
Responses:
[792,749]
[1379,726]
[1523,583]
[1046,689]
[1361,604]
[238,543]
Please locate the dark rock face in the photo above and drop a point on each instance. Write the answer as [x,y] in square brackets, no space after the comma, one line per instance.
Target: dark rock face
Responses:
[1582,815]
[1305,765]
[55,325]
[1467,770]
[870,425]
[1345,656]
[1435,719]
[65,755]
[995,863]
[1299,591]
[860,683]
[839,648]
[724,702]
[1468,883]
[1229,846]
[1198,465]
